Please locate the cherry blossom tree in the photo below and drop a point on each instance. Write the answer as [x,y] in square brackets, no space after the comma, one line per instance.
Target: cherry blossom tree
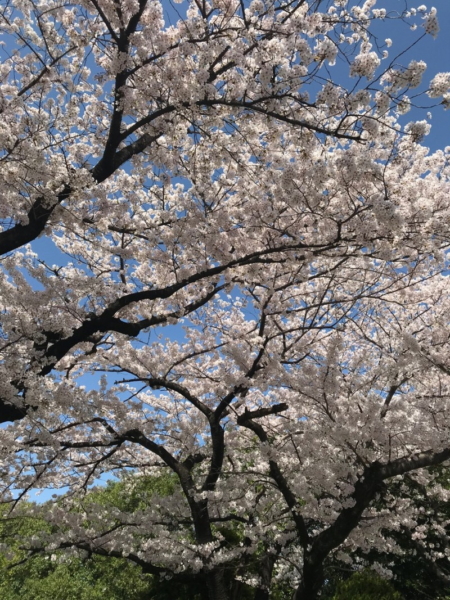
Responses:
[202,170]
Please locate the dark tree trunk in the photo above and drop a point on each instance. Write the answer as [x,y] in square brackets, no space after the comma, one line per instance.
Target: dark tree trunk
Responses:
[236,590]
[313,578]
[265,571]
[214,579]
[215,583]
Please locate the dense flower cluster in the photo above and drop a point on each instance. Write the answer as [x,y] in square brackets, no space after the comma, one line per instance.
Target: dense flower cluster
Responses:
[431,24]
[410,77]
[365,65]
[440,87]
[219,262]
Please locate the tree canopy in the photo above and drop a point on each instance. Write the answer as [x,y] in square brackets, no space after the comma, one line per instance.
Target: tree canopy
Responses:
[224,256]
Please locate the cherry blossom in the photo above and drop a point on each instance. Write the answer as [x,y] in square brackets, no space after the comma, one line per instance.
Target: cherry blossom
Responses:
[220,262]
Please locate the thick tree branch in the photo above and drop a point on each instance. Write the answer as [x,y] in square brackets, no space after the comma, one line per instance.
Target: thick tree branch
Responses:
[173,386]
[366,488]
[280,480]
[261,412]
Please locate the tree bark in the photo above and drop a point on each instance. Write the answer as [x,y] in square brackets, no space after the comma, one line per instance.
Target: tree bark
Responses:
[216,585]
[267,563]
[313,578]
[215,578]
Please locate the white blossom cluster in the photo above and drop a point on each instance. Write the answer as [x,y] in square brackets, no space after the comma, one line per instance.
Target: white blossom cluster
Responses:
[365,65]
[418,129]
[251,259]
[410,77]
[431,24]
[440,88]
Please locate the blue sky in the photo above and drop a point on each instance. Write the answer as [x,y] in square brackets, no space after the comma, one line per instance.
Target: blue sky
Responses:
[435,52]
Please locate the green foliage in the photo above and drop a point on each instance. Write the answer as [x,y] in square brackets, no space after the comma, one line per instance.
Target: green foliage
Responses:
[64,576]
[133,493]
[43,579]
[366,585]
[70,576]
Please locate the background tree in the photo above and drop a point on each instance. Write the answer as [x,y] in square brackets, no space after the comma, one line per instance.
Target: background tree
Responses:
[78,576]
[210,174]
[60,576]
[417,557]
[366,586]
